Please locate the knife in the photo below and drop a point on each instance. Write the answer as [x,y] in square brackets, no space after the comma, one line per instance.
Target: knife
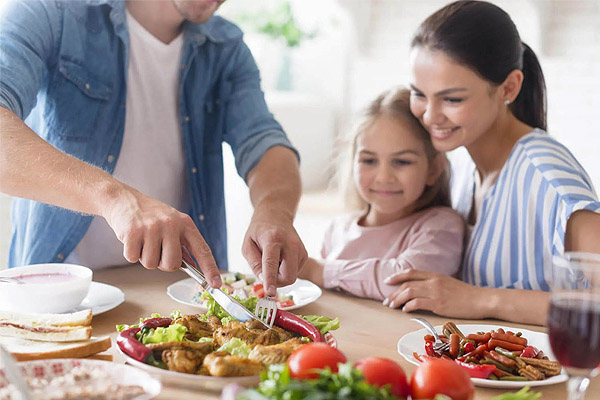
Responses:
[229,304]
[14,376]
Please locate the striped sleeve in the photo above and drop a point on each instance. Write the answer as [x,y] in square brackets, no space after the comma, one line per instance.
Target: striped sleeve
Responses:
[524,216]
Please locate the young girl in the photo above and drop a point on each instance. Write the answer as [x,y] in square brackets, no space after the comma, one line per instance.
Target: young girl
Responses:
[403,219]
[524,195]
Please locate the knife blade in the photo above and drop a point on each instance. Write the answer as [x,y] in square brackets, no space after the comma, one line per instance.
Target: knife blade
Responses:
[229,304]
[14,376]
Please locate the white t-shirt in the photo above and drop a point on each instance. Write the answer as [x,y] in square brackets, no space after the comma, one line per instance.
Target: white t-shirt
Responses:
[152,158]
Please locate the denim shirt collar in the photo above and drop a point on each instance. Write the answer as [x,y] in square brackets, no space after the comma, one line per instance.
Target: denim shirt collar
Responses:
[195,34]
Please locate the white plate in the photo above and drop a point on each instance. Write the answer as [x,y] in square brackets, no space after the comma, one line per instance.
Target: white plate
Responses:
[173,378]
[101,298]
[211,383]
[413,341]
[113,373]
[302,291]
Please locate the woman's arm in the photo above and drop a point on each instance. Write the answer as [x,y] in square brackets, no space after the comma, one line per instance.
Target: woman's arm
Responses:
[583,231]
[450,297]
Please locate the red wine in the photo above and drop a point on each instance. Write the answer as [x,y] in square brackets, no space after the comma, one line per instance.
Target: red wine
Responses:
[574,329]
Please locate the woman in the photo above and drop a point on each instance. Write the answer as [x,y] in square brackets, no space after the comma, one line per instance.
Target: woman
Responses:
[525,197]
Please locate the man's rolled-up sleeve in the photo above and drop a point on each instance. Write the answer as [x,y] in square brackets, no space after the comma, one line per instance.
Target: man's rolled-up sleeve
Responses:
[250,129]
[28,30]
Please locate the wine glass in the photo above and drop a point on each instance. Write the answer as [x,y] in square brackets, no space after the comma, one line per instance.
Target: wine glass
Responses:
[574,318]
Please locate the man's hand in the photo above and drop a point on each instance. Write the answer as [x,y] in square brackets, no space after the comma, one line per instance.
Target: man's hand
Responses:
[273,248]
[153,233]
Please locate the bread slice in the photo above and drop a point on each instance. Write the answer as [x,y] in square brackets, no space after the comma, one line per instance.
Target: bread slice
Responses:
[100,356]
[23,349]
[78,318]
[46,333]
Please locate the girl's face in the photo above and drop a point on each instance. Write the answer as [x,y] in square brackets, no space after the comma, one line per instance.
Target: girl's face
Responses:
[454,104]
[390,169]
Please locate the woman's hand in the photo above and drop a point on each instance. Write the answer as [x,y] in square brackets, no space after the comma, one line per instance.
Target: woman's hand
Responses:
[440,294]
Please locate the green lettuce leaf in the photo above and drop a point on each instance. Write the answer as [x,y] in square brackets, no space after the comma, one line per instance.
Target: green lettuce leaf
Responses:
[236,347]
[324,324]
[171,333]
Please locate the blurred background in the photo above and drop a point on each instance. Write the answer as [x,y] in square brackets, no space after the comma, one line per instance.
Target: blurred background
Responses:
[322,61]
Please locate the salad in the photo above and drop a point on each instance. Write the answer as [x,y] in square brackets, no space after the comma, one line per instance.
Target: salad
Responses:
[244,286]
[214,344]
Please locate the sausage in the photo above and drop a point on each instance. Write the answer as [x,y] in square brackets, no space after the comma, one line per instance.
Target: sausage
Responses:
[510,338]
[493,343]
[454,344]
[502,359]
[479,338]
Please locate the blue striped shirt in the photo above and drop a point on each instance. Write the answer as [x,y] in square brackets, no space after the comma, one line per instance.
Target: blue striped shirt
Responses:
[524,215]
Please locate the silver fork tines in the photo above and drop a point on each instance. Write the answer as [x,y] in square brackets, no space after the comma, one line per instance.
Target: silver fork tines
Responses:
[439,347]
[266,310]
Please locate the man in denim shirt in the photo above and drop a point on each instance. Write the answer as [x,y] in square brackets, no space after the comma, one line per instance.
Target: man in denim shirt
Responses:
[68,69]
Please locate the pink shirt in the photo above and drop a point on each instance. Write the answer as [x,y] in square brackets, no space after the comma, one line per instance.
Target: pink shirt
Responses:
[358,258]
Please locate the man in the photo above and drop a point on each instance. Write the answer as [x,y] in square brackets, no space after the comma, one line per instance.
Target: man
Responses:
[126,106]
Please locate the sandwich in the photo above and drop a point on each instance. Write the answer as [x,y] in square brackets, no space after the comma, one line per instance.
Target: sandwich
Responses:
[30,336]
[68,327]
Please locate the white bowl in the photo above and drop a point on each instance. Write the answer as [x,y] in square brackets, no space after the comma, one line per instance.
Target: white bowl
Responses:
[57,288]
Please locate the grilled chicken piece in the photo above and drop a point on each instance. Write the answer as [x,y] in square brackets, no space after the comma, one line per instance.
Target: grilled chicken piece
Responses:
[252,337]
[182,360]
[195,327]
[223,364]
[253,324]
[275,354]
[234,329]
[214,322]
[204,348]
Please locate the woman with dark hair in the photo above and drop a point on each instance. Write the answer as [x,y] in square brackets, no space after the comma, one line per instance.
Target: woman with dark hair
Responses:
[476,85]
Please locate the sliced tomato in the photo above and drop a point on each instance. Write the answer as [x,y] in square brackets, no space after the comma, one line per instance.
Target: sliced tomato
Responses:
[258,290]
[286,303]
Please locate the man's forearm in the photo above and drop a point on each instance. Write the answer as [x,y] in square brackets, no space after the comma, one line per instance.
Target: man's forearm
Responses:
[33,169]
[274,183]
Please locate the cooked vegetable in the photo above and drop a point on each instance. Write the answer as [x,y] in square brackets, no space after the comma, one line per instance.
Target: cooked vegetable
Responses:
[293,323]
[128,343]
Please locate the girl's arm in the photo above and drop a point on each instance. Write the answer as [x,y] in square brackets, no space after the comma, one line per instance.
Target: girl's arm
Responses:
[449,297]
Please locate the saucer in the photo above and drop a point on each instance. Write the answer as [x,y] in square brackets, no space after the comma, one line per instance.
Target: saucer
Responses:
[101,298]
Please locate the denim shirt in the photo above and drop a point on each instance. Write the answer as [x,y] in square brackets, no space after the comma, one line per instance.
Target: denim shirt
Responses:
[63,69]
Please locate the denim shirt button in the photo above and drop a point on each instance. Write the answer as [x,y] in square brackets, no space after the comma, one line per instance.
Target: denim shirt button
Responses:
[60,256]
[186,118]
[111,158]
[87,86]
[217,101]
[201,217]
[194,170]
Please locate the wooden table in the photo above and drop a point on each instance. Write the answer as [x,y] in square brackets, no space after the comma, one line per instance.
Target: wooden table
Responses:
[366,327]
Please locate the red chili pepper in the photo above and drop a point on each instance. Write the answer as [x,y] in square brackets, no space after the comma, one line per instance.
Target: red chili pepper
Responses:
[294,323]
[129,344]
[154,323]
[530,352]
[477,370]
[429,348]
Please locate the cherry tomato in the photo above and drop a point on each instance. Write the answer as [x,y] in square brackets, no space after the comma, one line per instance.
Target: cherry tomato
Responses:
[304,362]
[380,371]
[439,376]
[469,347]
[258,290]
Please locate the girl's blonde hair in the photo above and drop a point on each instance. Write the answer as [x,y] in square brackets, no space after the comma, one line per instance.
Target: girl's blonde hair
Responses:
[394,103]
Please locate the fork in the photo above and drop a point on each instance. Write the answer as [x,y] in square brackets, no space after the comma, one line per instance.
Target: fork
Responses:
[439,347]
[266,310]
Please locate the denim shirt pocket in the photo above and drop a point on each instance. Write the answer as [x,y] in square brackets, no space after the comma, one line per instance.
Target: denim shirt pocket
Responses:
[76,100]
